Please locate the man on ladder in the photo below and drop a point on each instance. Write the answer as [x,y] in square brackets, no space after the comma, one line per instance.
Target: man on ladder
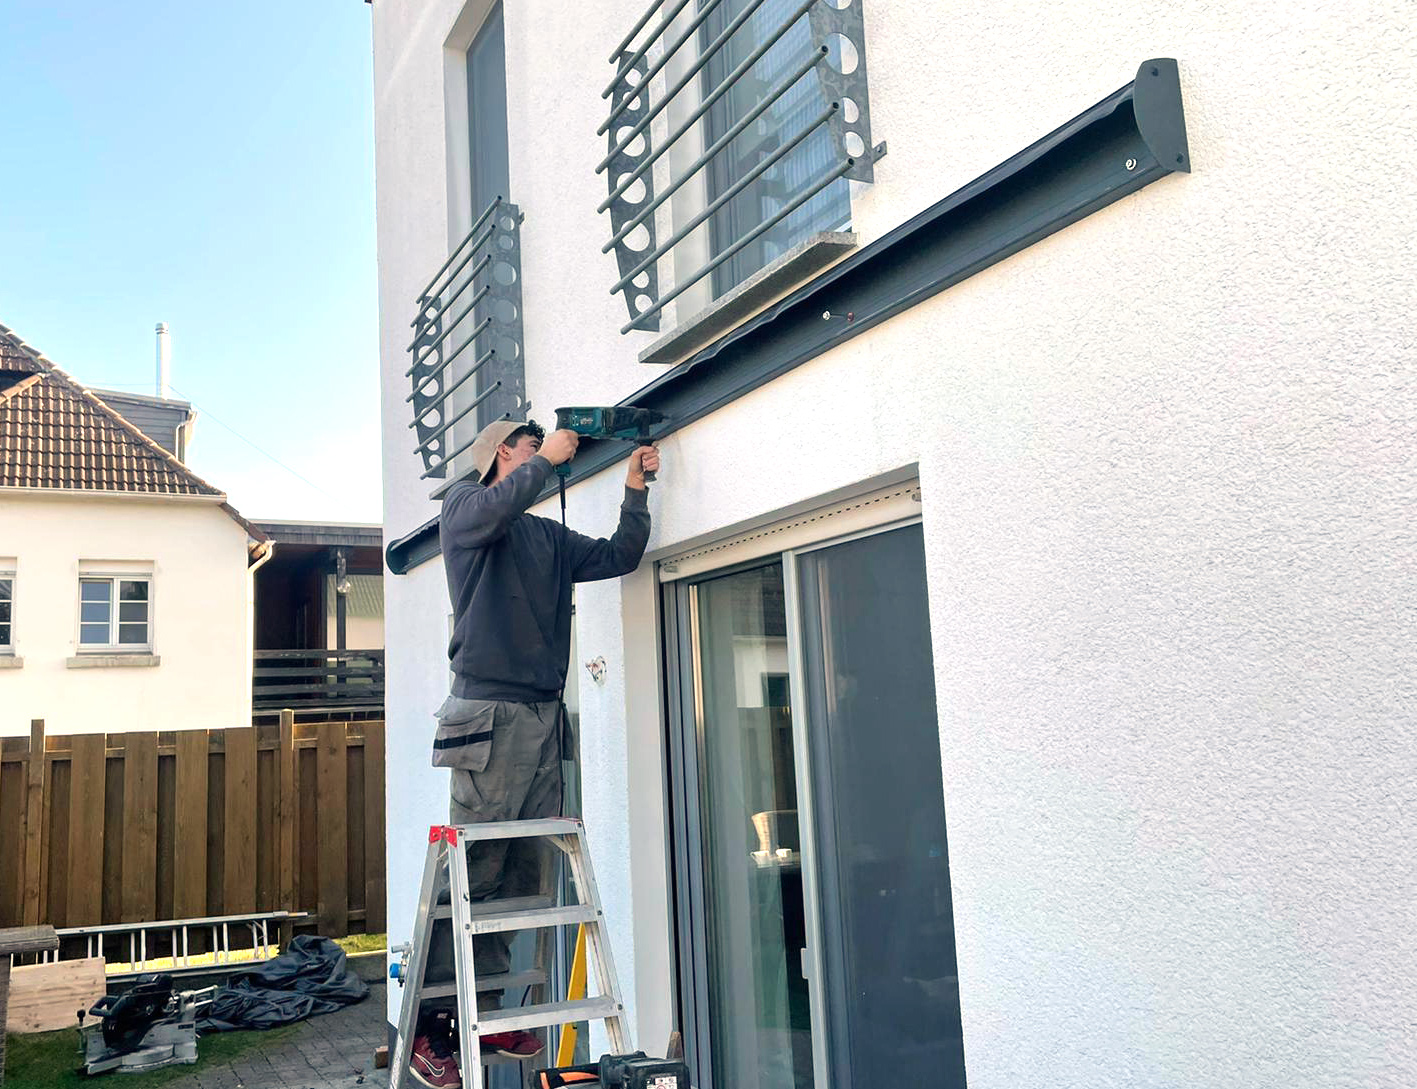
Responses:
[503,730]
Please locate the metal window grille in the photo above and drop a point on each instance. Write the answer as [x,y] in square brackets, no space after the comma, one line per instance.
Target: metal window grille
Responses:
[771,105]
[467,342]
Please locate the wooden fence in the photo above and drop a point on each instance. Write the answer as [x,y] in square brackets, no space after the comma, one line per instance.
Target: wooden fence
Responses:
[112,828]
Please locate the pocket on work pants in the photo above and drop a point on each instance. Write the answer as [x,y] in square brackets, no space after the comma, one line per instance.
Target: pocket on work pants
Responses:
[464,736]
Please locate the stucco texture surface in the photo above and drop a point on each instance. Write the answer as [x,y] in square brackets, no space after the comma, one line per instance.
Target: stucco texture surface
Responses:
[195,555]
[1166,459]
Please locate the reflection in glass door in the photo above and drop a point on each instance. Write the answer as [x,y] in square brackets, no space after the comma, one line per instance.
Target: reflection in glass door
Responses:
[750,888]
[813,902]
[888,950]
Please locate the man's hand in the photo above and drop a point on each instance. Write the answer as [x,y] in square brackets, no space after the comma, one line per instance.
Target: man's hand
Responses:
[645,459]
[560,446]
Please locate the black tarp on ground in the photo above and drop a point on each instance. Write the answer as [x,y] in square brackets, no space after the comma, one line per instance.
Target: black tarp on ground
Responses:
[310,977]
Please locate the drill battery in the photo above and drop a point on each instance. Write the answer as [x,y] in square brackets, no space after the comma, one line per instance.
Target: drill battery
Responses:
[633,1071]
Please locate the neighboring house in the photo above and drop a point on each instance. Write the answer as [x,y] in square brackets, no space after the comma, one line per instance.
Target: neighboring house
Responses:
[166,420]
[320,621]
[1016,475]
[125,579]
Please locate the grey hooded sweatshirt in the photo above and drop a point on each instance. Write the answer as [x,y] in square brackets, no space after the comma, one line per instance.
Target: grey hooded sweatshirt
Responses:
[509,580]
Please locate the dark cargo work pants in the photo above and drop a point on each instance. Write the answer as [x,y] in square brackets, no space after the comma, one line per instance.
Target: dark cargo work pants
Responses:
[514,775]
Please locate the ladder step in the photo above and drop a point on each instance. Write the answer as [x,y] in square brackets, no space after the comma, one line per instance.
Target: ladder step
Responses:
[550,826]
[502,921]
[492,907]
[552,1013]
[508,982]
[511,903]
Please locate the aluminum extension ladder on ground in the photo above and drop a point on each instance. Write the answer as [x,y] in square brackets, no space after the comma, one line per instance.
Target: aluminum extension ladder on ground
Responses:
[444,895]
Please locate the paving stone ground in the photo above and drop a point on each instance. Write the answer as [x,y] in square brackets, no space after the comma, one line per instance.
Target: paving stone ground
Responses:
[333,1051]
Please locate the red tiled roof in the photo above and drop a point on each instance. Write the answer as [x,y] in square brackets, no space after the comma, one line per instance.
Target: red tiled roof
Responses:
[54,433]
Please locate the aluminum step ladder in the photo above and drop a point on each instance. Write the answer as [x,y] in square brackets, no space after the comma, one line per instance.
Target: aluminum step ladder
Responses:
[444,895]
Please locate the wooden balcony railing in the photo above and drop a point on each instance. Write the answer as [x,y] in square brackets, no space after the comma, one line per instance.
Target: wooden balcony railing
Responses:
[323,681]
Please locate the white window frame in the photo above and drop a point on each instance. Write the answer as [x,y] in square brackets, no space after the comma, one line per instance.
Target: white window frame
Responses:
[113,646]
[7,645]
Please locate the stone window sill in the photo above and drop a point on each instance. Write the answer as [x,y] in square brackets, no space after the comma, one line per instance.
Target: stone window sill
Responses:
[101,661]
[728,311]
[11,661]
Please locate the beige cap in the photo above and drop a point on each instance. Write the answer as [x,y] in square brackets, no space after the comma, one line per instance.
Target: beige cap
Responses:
[484,447]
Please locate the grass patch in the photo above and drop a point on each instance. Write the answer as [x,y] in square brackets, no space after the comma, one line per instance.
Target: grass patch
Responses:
[355,943]
[50,1060]
[363,943]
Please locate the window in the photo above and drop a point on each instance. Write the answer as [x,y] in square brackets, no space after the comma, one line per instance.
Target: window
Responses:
[7,613]
[771,191]
[766,119]
[812,871]
[467,367]
[115,613]
[487,114]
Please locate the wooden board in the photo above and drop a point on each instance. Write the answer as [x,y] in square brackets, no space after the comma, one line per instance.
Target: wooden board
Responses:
[28,939]
[375,895]
[47,996]
[331,773]
[166,831]
[189,893]
[140,827]
[287,817]
[113,843]
[12,843]
[240,832]
[87,781]
[34,823]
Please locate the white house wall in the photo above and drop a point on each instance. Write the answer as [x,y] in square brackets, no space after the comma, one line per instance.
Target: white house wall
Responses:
[199,613]
[1166,468]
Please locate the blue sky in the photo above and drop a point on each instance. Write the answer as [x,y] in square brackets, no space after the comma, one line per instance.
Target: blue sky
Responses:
[211,166]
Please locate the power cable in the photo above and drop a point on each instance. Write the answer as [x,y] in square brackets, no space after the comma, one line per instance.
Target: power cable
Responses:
[254,445]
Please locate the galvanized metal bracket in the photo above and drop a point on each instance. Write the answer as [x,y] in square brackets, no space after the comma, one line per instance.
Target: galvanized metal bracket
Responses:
[428,386]
[643,290]
[505,371]
[842,31]
[485,286]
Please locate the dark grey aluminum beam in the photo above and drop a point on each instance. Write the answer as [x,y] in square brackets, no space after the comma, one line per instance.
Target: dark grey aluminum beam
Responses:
[1130,139]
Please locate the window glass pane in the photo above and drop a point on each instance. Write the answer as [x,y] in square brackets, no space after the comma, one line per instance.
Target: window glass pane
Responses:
[489,175]
[95,590]
[132,591]
[132,633]
[784,121]
[93,634]
[759,1015]
[94,612]
[133,611]
[6,589]
[891,975]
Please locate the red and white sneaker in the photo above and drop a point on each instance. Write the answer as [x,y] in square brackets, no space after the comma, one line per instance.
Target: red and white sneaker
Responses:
[514,1045]
[433,1064]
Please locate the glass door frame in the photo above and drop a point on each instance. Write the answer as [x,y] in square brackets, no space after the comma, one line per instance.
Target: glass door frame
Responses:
[684,729]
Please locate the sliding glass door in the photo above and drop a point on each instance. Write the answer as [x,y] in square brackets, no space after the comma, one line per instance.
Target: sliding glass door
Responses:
[815,928]
[748,875]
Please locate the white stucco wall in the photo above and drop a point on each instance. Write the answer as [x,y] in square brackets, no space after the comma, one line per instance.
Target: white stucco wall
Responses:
[200,611]
[1166,459]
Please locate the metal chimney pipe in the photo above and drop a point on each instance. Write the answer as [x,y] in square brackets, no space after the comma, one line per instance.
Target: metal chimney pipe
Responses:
[164,360]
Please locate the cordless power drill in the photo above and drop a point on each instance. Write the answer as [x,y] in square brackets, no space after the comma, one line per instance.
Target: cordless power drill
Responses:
[624,422]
